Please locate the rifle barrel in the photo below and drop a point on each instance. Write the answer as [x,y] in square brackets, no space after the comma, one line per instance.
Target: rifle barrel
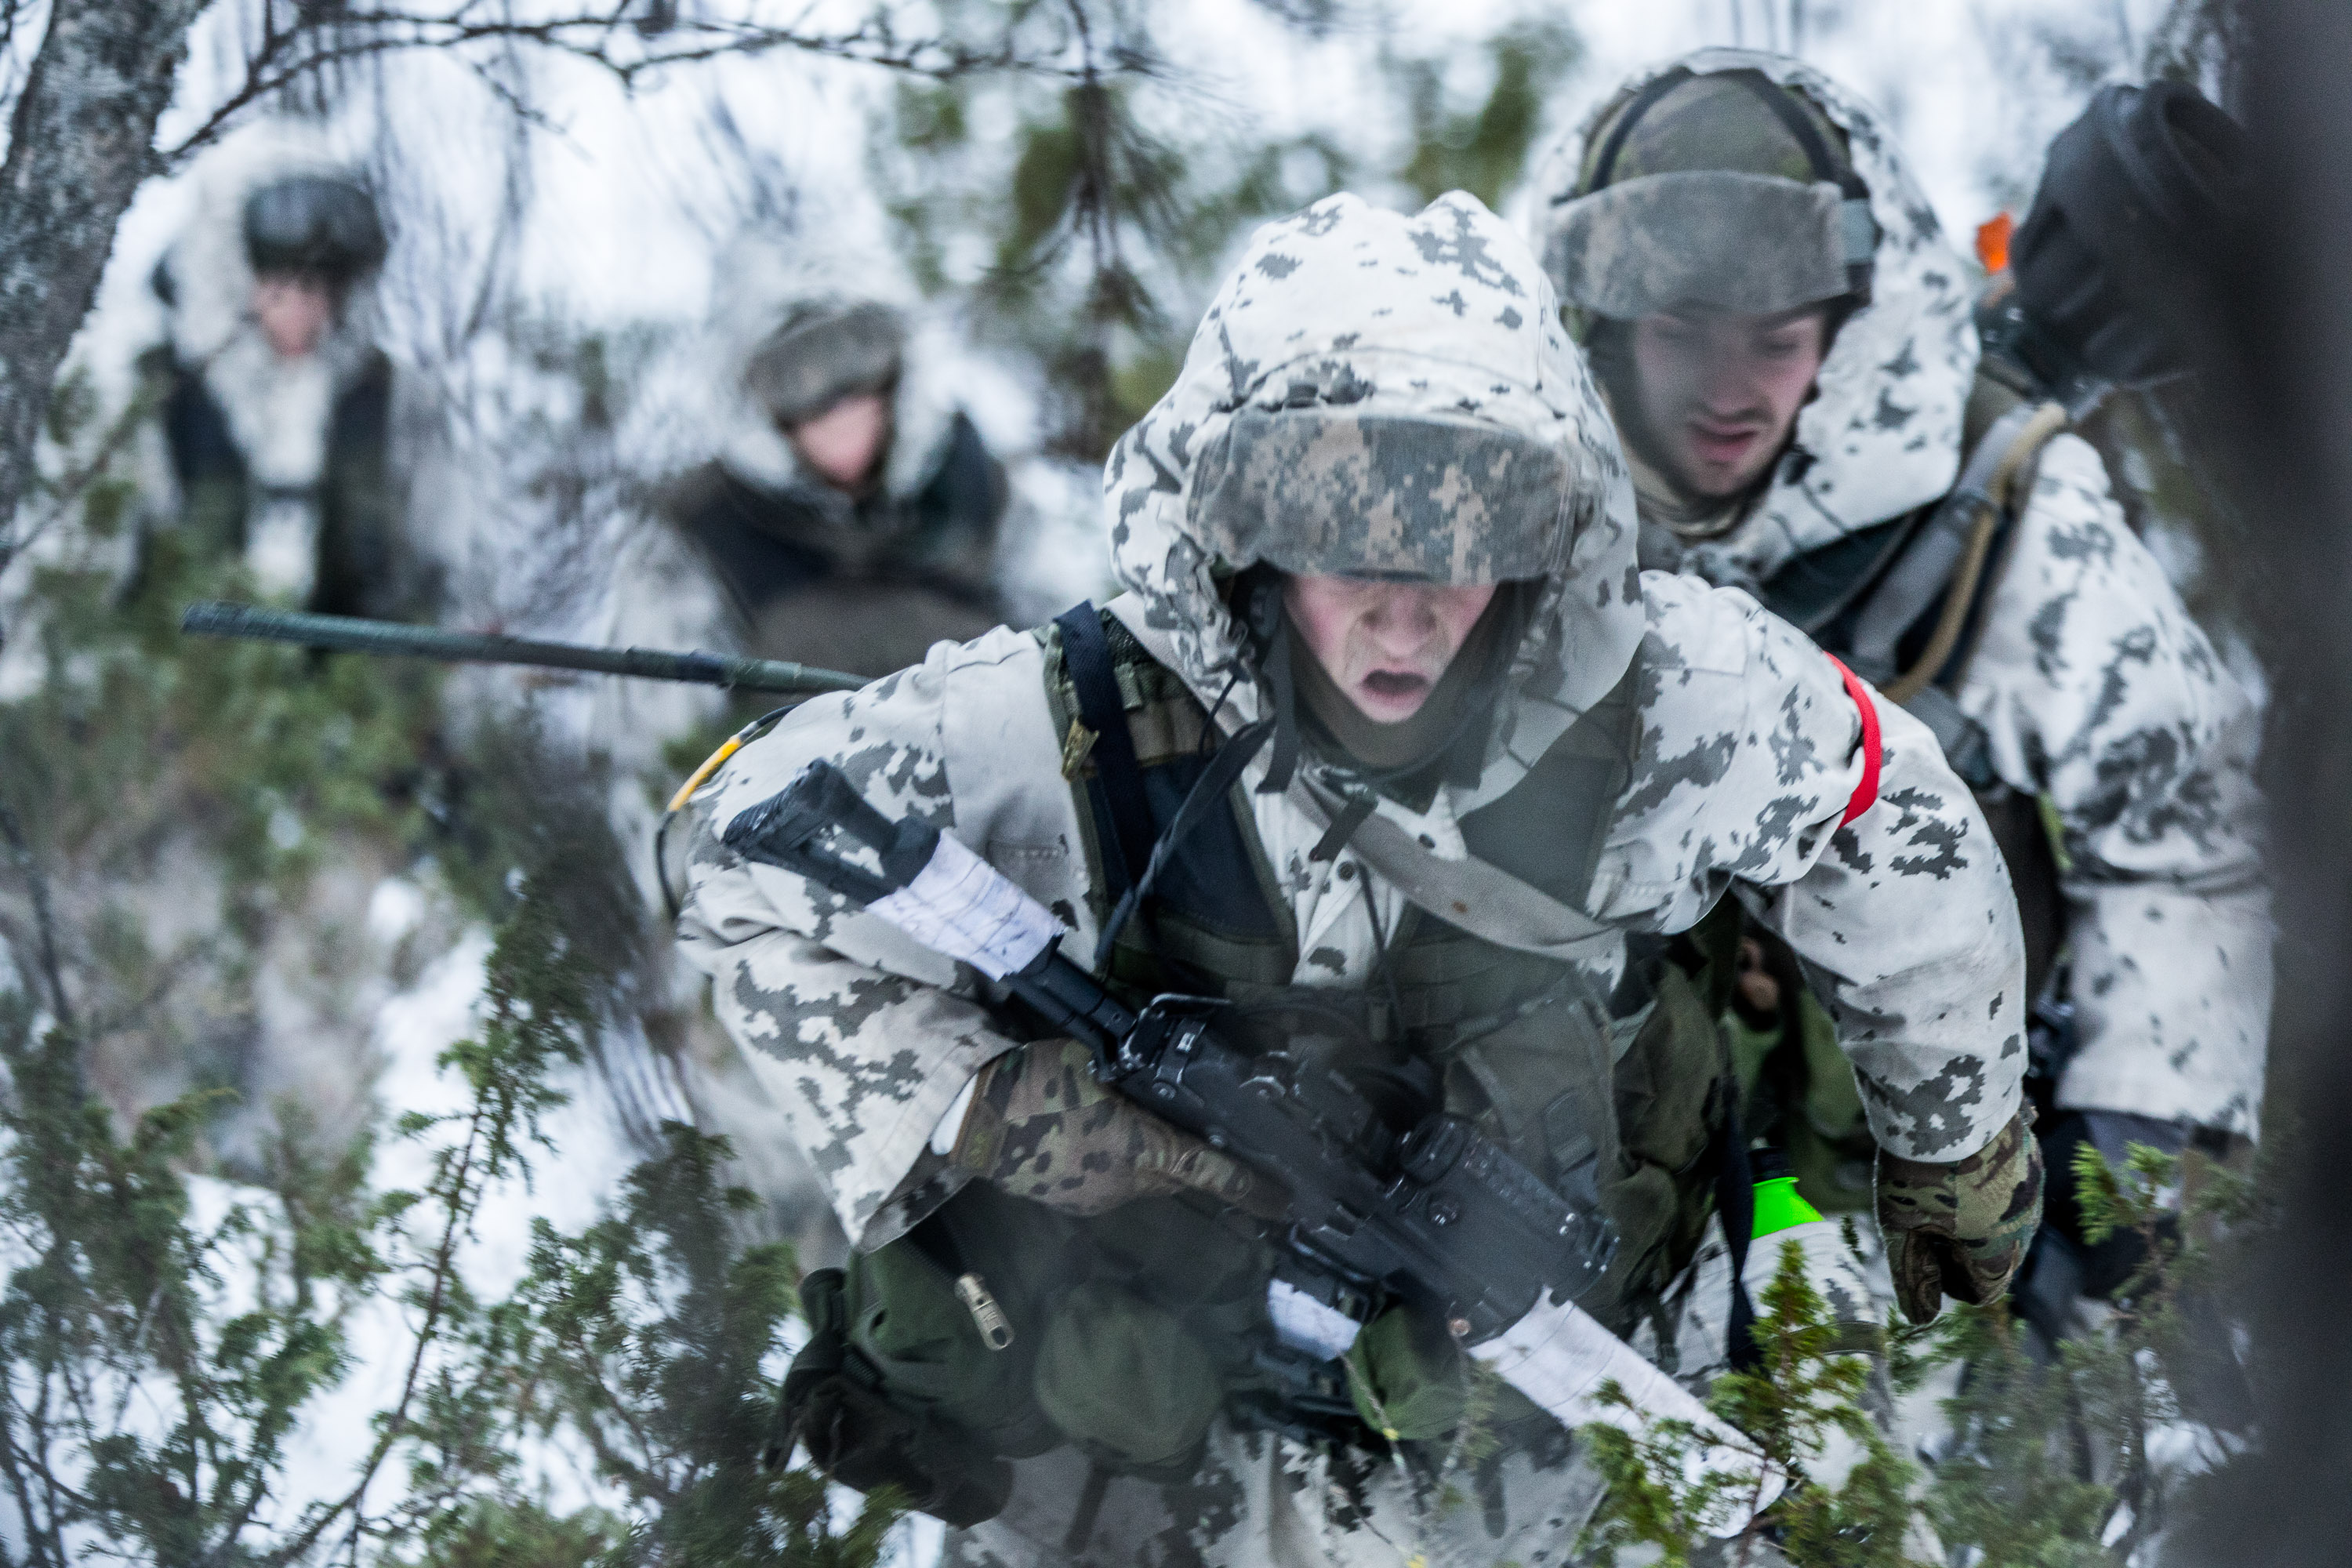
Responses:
[354,634]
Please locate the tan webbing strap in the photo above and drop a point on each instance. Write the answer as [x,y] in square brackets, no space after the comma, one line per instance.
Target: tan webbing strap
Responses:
[1472,894]
[1990,497]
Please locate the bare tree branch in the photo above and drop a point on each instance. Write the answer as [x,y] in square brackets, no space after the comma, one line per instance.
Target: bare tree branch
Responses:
[280,55]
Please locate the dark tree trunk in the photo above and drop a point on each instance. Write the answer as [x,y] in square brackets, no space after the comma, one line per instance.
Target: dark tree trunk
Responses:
[2285,408]
[81,140]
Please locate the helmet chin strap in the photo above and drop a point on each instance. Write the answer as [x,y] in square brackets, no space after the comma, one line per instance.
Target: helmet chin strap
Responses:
[1270,626]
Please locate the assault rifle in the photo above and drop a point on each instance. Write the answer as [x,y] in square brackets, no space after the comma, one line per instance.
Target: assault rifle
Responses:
[355,634]
[1437,1217]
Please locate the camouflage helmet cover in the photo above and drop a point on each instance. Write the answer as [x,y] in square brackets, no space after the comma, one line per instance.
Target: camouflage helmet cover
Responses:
[1373,392]
[1422,496]
[1726,192]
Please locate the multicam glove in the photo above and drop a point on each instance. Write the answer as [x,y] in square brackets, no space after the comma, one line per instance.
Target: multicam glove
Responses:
[1041,1127]
[1960,1230]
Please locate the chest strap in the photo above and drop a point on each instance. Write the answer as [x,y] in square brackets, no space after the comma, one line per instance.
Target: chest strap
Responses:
[1085,655]
[1474,895]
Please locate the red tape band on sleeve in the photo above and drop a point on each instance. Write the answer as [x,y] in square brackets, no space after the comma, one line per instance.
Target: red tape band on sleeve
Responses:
[1865,794]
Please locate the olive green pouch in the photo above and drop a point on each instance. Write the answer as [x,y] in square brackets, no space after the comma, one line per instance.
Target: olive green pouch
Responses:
[1412,1382]
[1127,1382]
[832,1401]
[905,1318]
[1407,1378]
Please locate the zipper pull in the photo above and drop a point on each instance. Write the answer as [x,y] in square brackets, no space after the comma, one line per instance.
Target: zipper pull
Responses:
[995,1330]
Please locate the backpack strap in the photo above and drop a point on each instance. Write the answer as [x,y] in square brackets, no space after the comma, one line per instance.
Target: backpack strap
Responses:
[1087,655]
[1734,1205]
[1950,555]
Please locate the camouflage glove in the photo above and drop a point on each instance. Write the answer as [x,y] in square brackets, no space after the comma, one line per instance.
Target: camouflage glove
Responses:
[1962,1230]
[1041,1128]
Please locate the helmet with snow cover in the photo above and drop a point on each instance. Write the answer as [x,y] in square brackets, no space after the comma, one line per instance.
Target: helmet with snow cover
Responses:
[318,224]
[1407,409]
[823,351]
[1725,190]
[1316,488]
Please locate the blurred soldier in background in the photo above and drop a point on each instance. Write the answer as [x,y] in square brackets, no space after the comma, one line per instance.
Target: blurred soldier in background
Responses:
[275,406]
[853,516]
[1785,342]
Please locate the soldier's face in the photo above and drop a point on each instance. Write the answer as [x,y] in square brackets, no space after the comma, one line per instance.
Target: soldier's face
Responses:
[1384,644]
[294,310]
[1719,393]
[845,442]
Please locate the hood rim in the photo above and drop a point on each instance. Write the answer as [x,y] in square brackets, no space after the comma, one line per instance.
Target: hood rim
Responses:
[1572,653]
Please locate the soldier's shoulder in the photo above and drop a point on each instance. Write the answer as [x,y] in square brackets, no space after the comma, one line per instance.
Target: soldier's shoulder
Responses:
[1719,673]
[1694,629]
[2073,531]
[699,491]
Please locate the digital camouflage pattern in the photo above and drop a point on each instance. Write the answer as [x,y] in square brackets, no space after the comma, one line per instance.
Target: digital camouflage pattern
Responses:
[2096,687]
[1042,1127]
[1324,490]
[1961,1229]
[1747,757]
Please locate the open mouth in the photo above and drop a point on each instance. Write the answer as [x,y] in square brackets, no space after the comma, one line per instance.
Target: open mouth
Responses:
[1395,683]
[1722,443]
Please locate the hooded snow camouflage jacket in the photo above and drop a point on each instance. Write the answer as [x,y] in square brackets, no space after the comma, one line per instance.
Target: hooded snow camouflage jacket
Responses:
[807,571]
[2094,686]
[1746,753]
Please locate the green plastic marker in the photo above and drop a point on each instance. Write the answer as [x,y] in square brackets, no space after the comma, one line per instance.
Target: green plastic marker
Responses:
[1779,1206]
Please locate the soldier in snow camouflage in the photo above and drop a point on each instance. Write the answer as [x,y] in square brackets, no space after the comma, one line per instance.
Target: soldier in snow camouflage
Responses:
[1381,412]
[1779,421]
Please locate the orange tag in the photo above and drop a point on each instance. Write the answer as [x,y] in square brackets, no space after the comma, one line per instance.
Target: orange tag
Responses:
[1992,241]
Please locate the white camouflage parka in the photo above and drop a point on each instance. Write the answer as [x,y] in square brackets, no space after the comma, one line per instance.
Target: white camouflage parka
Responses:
[1748,755]
[2095,687]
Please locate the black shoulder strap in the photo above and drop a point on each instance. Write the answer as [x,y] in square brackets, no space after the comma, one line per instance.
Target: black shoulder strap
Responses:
[1606,164]
[1085,654]
[1800,125]
[1735,1203]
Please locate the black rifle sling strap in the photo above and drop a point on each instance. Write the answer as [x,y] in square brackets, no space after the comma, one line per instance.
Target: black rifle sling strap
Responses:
[1085,654]
[1605,164]
[1735,1204]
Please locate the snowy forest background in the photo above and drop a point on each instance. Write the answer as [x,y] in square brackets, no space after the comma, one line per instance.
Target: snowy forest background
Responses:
[375,1188]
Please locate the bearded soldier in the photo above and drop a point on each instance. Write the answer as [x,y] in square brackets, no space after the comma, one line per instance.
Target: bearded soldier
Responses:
[1425,777]
[1786,345]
